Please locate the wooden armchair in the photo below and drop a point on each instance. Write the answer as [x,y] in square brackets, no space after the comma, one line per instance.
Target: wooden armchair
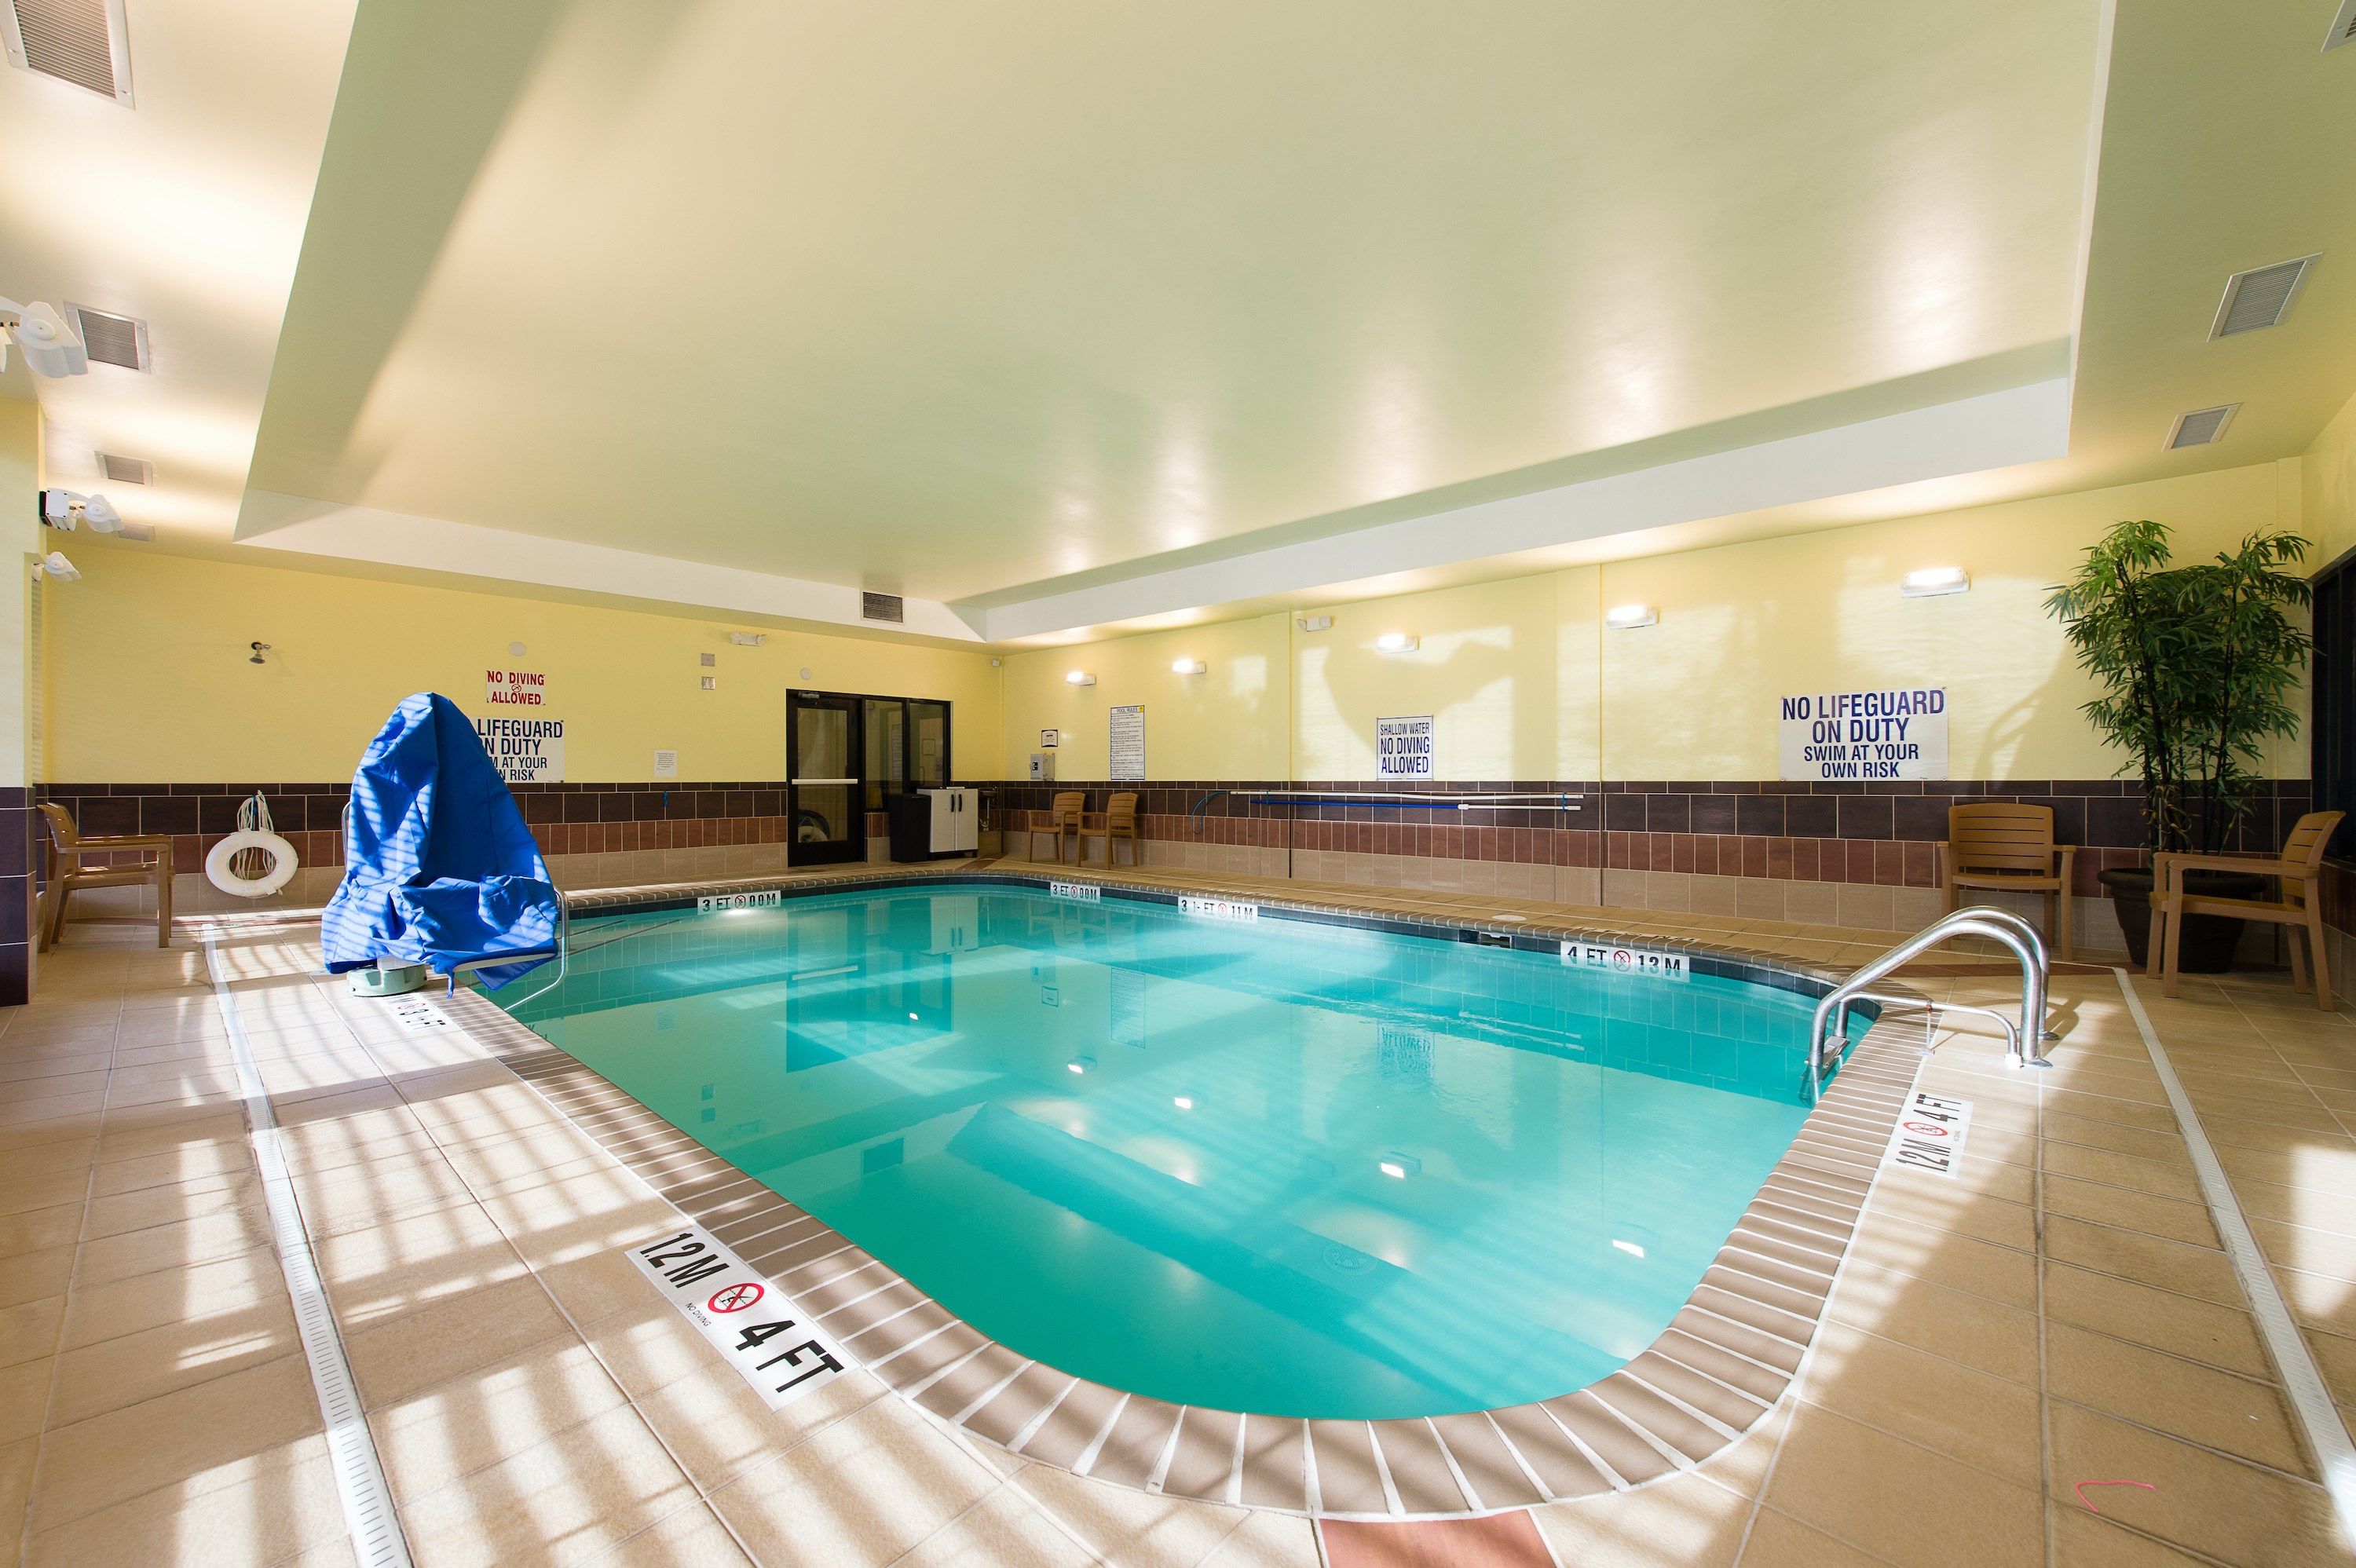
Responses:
[1997,844]
[1120,822]
[69,876]
[1063,818]
[2299,880]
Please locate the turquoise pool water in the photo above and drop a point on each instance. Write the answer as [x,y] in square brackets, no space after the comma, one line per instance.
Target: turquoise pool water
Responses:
[1277,1166]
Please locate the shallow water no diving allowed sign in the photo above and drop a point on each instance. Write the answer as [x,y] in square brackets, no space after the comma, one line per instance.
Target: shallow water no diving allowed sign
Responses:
[772,1342]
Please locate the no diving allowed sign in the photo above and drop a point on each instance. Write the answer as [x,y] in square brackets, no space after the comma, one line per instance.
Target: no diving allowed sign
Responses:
[773,1343]
[1929,1135]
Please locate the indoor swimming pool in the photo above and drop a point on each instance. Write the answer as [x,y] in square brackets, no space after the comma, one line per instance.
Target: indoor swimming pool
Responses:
[1268,1165]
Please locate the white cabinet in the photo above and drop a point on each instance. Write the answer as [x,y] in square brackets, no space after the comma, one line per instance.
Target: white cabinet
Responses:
[957,819]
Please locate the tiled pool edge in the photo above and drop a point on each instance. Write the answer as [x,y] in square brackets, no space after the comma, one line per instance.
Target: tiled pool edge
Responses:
[1716,1372]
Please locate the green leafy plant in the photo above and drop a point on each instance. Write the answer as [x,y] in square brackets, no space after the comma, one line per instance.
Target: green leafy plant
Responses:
[2197,666]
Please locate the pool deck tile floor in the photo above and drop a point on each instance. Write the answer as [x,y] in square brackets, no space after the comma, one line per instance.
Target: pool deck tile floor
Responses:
[2049,1361]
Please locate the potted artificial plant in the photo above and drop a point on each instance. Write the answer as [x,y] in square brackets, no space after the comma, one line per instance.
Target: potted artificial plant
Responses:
[2195,665]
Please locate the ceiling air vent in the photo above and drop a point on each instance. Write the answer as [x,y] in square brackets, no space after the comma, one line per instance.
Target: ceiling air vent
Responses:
[2261,296]
[2200,427]
[2343,27]
[111,339]
[79,41]
[882,607]
[126,470]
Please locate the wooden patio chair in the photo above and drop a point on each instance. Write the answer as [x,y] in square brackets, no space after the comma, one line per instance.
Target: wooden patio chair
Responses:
[1119,822]
[69,876]
[2299,880]
[1997,844]
[1063,818]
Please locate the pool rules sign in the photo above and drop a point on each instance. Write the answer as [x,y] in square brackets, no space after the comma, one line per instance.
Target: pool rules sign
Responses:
[773,1343]
[1841,736]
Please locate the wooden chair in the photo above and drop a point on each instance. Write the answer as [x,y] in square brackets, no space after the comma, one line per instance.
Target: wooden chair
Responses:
[1063,818]
[1997,844]
[69,876]
[2299,874]
[1120,822]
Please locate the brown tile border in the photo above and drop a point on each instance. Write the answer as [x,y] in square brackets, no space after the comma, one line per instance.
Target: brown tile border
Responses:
[1716,1372]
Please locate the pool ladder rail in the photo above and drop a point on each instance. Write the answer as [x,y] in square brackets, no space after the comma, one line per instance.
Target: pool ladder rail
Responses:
[2022,1040]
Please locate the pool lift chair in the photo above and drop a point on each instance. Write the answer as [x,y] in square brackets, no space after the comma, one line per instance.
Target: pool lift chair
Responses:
[1828,1030]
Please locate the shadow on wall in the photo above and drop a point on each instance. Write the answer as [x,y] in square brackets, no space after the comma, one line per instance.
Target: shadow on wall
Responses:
[1479,663]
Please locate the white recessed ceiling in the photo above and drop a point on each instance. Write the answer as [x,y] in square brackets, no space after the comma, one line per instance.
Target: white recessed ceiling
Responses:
[1072,317]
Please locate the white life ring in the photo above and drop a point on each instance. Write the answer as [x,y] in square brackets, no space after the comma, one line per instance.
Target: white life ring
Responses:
[283,862]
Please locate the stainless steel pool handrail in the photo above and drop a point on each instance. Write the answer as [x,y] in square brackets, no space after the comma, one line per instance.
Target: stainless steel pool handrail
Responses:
[2000,925]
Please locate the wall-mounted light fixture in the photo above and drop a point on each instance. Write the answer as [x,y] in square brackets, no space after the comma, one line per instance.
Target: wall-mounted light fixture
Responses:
[1627,617]
[1933,580]
[1397,642]
[1399,1166]
[1184,1102]
[1316,623]
[1187,667]
[60,568]
[1079,678]
[748,639]
[1081,1064]
[516,650]
[259,649]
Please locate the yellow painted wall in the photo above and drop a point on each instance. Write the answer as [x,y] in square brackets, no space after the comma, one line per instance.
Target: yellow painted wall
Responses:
[1525,682]
[1233,722]
[20,532]
[2328,479]
[150,680]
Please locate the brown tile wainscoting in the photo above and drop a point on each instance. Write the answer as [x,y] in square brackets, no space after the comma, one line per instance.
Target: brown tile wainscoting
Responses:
[566,819]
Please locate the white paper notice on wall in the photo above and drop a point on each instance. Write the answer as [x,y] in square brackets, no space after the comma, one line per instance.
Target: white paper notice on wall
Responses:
[1898,732]
[525,751]
[1128,753]
[666,765]
[1403,747]
[773,1342]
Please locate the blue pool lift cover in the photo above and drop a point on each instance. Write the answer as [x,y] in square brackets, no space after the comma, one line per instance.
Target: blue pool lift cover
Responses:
[439,869]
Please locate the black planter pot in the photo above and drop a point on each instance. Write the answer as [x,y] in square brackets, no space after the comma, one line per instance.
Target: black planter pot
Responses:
[2209,939]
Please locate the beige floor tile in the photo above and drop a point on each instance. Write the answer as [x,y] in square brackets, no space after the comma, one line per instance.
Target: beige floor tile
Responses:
[211,1429]
[38,1230]
[2082,1539]
[94,1379]
[147,1207]
[1686,1519]
[2128,1210]
[2229,1511]
[2185,1399]
[1007,1526]
[1986,1422]
[1266,1540]
[2147,1259]
[29,1330]
[1132,1529]
[1840,1475]
[2180,1325]
[24,1398]
[1779,1541]
[489,1414]
[862,1490]
[1968,1328]
[1955,1262]
[562,1501]
[276,1505]
[394,1266]
[177,1245]
[718,1427]
[399,1353]
[693,1537]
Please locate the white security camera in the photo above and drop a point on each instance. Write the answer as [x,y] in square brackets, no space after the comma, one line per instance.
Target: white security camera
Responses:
[51,348]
